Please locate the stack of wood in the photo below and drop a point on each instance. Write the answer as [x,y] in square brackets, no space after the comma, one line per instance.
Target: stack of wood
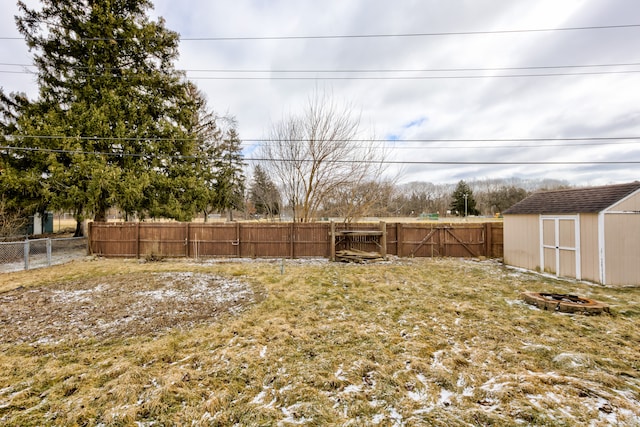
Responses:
[355,255]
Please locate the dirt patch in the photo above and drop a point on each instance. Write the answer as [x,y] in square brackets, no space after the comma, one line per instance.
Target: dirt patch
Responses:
[120,306]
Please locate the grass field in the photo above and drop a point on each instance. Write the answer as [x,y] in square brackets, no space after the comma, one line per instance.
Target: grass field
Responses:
[406,342]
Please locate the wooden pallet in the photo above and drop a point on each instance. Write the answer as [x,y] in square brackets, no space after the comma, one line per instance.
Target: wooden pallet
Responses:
[354,255]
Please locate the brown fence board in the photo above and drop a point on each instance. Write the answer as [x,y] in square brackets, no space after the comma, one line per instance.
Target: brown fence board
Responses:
[213,240]
[274,240]
[117,240]
[291,240]
[167,240]
[312,240]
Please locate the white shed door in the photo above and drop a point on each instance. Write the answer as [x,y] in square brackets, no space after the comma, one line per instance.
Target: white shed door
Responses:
[560,249]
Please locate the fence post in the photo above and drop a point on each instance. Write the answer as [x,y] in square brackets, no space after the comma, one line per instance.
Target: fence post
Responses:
[238,248]
[187,242]
[332,242]
[49,251]
[26,254]
[293,238]
[488,240]
[90,233]
[383,239]
[138,239]
[399,239]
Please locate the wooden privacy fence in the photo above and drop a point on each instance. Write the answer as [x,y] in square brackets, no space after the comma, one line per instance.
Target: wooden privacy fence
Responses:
[292,240]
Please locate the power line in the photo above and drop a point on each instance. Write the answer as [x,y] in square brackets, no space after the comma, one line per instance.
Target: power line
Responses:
[435,34]
[267,140]
[413,77]
[456,162]
[369,36]
[369,77]
[389,162]
[416,70]
[92,153]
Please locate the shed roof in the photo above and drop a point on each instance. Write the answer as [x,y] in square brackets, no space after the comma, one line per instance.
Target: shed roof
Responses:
[574,200]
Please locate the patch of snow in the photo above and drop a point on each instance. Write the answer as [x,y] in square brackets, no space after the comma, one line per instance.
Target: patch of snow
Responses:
[286,388]
[377,419]
[352,389]
[445,397]
[376,403]
[468,391]
[259,398]
[418,396]
[572,360]
[437,360]
[423,380]
[493,386]
[290,417]
[396,417]
[339,374]
[271,404]
[263,352]
[205,417]
[76,295]
[521,303]
[531,346]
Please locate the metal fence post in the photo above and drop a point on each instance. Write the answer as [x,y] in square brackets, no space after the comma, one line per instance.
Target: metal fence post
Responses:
[49,251]
[26,254]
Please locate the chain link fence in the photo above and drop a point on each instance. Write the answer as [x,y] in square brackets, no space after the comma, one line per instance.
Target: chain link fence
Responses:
[37,253]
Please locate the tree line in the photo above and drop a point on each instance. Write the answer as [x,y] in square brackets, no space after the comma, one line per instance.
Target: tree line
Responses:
[486,197]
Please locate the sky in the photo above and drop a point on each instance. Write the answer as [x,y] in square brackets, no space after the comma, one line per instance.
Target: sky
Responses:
[438,125]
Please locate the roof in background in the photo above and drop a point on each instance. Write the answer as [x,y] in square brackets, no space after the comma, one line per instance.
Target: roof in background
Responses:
[574,200]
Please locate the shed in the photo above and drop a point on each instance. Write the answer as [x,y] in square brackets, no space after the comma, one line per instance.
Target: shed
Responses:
[583,233]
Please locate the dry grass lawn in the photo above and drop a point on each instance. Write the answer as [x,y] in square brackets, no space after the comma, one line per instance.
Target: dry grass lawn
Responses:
[408,342]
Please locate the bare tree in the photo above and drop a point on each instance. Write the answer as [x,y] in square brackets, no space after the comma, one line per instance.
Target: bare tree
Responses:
[370,198]
[318,153]
[12,218]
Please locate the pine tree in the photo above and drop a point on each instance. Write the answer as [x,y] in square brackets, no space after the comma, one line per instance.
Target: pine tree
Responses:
[463,203]
[230,184]
[23,188]
[208,151]
[111,106]
[264,194]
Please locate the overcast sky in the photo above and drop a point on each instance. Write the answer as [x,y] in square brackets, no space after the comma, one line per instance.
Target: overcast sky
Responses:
[400,111]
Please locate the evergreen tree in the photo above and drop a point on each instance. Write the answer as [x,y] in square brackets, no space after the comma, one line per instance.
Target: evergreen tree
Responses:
[463,202]
[208,150]
[24,188]
[112,109]
[264,194]
[230,179]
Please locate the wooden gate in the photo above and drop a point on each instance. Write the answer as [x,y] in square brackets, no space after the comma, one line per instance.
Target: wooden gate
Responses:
[445,240]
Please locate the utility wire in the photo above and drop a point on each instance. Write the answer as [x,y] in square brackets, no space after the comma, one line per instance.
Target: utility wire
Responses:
[266,140]
[435,34]
[413,77]
[369,36]
[390,162]
[367,77]
[417,70]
